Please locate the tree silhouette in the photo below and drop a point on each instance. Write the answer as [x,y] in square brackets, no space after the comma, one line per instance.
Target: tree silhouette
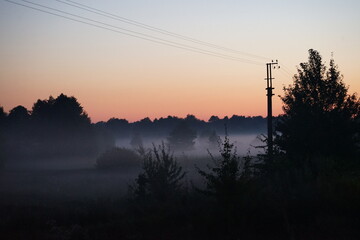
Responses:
[18,114]
[214,139]
[182,137]
[118,127]
[213,119]
[65,111]
[227,181]
[61,126]
[227,173]
[320,116]
[3,114]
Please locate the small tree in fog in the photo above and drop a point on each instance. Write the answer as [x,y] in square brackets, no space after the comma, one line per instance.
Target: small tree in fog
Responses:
[214,139]
[182,137]
[136,141]
[227,173]
[161,176]
[227,181]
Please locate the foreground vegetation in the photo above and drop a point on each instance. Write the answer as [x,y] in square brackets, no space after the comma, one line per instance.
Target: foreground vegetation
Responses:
[231,202]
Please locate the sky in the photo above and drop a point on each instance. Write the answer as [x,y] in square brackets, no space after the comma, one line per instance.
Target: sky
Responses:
[117,75]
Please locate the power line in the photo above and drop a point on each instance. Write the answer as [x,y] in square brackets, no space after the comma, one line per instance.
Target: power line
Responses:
[285,69]
[132,33]
[155,29]
[285,74]
[157,40]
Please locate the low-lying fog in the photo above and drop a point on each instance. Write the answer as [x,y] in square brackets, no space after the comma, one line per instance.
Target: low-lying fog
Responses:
[245,144]
[71,178]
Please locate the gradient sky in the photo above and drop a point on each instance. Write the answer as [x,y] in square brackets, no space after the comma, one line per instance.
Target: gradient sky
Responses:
[114,75]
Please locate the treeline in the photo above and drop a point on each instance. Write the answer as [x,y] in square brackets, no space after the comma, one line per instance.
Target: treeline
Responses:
[161,127]
[60,126]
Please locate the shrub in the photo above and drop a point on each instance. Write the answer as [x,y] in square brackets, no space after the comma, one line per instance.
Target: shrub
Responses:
[229,181]
[227,174]
[161,176]
[118,158]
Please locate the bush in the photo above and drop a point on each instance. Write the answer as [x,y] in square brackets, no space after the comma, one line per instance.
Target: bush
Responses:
[161,177]
[230,183]
[118,158]
[228,173]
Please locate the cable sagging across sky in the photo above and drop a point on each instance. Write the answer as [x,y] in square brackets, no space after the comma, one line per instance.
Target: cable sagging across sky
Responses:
[158,30]
[113,28]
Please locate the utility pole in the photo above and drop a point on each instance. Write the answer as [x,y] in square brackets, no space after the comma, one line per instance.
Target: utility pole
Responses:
[269,95]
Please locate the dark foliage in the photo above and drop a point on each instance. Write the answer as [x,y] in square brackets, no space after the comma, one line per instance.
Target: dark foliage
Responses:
[118,127]
[63,110]
[19,114]
[229,182]
[3,114]
[161,127]
[161,176]
[316,144]
[320,116]
[227,173]
[55,126]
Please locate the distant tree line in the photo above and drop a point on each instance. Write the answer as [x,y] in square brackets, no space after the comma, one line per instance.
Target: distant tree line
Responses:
[160,127]
[60,126]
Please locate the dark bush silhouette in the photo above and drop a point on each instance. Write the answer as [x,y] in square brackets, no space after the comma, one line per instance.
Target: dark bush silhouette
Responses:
[227,173]
[228,182]
[161,177]
[118,159]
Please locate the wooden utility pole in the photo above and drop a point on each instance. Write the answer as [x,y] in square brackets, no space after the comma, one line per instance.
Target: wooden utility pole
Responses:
[269,95]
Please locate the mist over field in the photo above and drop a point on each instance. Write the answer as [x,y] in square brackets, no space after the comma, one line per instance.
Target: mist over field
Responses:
[76,178]
[53,153]
[244,143]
